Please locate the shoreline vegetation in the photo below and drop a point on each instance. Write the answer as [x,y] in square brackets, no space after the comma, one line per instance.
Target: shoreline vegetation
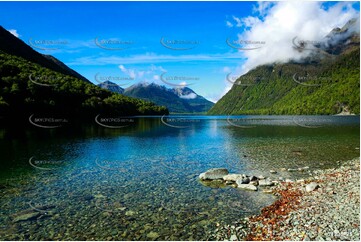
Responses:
[325,206]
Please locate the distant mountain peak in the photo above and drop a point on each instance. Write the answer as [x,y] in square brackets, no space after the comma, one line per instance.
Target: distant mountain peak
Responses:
[177,100]
[111,86]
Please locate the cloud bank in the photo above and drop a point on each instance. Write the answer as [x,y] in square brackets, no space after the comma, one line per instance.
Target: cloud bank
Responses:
[278,23]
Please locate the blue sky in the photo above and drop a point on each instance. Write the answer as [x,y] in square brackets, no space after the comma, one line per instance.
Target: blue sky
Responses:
[129,37]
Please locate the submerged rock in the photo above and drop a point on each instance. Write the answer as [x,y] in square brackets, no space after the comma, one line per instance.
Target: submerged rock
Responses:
[152,235]
[129,213]
[214,183]
[88,197]
[212,174]
[29,215]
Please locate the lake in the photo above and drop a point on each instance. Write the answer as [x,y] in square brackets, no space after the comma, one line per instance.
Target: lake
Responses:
[139,180]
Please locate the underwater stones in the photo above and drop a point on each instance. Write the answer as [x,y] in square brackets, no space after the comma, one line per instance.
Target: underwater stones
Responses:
[152,235]
[28,215]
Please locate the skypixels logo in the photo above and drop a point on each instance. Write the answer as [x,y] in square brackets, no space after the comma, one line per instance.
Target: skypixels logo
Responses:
[114,122]
[173,44]
[47,44]
[245,45]
[113,44]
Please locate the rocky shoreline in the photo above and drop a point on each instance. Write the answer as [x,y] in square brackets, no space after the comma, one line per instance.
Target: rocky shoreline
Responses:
[325,206]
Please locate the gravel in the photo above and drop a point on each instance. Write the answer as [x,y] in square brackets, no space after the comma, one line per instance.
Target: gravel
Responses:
[330,212]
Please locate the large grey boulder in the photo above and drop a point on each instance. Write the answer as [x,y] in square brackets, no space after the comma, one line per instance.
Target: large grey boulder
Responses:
[212,174]
[247,187]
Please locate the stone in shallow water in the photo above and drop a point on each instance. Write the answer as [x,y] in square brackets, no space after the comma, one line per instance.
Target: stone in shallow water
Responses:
[265,182]
[312,186]
[213,183]
[253,178]
[232,177]
[129,213]
[268,191]
[233,237]
[88,197]
[254,183]
[261,177]
[26,216]
[273,171]
[244,180]
[153,235]
[247,187]
[99,196]
[212,174]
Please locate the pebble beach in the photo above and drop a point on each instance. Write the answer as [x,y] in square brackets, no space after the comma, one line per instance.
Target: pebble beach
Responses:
[323,207]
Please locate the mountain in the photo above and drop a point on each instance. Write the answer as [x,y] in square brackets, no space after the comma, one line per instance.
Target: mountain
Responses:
[66,69]
[111,86]
[326,82]
[31,84]
[15,46]
[177,100]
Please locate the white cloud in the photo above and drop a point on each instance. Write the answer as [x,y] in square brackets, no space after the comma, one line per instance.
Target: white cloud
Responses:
[229,24]
[130,72]
[189,96]
[238,21]
[262,7]
[285,20]
[151,74]
[122,68]
[250,21]
[14,32]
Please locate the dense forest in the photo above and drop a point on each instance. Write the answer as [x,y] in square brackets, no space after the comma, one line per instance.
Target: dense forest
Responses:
[326,83]
[27,88]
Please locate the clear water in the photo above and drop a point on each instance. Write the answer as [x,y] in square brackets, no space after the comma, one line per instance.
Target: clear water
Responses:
[140,182]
